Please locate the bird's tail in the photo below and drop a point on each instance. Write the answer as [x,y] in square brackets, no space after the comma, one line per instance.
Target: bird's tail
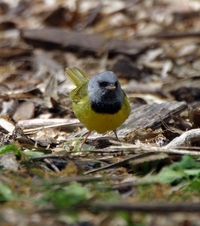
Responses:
[77,76]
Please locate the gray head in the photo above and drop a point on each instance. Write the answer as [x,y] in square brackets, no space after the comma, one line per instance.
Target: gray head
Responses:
[105,93]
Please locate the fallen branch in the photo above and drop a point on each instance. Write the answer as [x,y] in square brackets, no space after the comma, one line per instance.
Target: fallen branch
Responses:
[185,139]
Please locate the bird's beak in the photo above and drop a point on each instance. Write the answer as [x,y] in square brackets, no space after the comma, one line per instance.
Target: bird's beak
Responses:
[111,87]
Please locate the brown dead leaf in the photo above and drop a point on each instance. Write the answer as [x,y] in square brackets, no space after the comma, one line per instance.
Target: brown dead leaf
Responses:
[25,111]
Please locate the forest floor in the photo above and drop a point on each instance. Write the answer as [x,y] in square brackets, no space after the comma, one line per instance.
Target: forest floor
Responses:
[150,177]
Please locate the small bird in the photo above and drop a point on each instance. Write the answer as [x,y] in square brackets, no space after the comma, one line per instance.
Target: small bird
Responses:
[99,103]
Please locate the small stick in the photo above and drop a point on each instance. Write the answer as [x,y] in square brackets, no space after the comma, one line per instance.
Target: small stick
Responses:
[85,139]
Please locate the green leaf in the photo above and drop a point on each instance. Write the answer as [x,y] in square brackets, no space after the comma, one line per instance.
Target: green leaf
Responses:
[169,176]
[192,172]
[187,162]
[68,196]
[194,185]
[9,148]
[6,194]
[33,153]
[185,169]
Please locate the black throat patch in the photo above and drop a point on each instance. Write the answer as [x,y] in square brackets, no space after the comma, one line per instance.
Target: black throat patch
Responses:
[106,108]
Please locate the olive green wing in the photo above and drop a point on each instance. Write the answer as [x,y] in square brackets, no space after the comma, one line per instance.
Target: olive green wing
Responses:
[79,93]
[80,79]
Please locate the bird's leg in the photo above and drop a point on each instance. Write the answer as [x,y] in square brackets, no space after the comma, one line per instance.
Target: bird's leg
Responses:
[86,137]
[115,132]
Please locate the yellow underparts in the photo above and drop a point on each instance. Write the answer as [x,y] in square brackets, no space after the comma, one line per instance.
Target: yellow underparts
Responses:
[100,122]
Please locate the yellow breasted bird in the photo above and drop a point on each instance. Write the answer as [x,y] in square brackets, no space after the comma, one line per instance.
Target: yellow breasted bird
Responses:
[99,103]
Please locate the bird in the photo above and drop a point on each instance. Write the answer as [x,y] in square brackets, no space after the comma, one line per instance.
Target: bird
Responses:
[98,102]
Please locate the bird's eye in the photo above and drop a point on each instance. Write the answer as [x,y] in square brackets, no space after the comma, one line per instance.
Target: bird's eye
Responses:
[103,84]
[116,84]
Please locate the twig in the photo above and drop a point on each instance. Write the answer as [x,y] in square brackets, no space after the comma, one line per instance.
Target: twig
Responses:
[162,208]
[64,180]
[49,163]
[45,156]
[177,150]
[121,163]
